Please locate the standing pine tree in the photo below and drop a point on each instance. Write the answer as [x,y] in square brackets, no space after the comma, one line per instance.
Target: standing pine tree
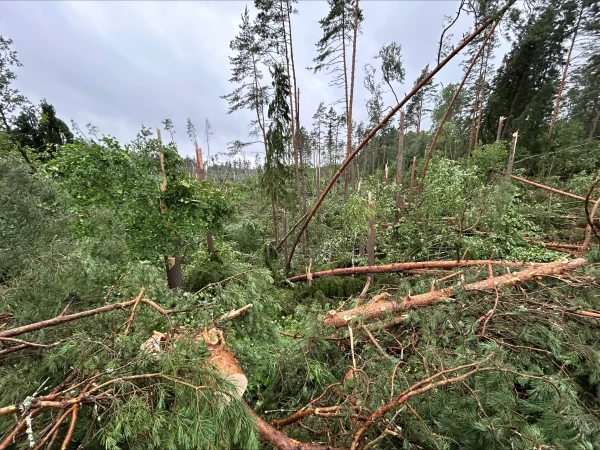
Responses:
[277,138]
[340,28]
[246,73]
[417,106]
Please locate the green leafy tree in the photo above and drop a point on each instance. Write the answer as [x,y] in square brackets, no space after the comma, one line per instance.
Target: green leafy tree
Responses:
[40,130]
[126,179]
[11,100]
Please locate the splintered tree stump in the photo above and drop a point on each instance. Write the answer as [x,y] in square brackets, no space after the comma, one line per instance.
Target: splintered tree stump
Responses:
[223,361]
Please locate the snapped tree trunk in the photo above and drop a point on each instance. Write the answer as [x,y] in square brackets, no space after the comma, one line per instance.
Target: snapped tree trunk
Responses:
[174,274]
[511,156]
[385,120]
[499,132]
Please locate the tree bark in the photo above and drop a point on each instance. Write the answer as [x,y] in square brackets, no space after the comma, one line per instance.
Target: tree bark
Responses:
[347,98]
[275,225]
[394,110]
[200,164]
[174,274]
[407,266]
[511,156]
[286,18]
[400,165]
[371,238]
[226,364]
[594,126]
[547,188]
[481,99]
[564,75]
[499,132]
[412,180]
[284,226]
[451,105]
[350,171]
[378,309]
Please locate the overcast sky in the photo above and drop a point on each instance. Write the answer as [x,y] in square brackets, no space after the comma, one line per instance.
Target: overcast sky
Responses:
[119,65]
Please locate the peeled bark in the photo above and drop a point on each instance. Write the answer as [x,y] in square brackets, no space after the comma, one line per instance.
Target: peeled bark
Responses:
[375,310]
[406,266]
[224,361]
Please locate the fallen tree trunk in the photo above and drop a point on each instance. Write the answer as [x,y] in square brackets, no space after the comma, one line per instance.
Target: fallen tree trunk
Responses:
[224,361]
[405,267]
[62,318]
[375,310]
[543,186]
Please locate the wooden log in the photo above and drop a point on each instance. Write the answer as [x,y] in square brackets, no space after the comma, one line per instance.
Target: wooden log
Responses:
[405,267]
[61,319]
[542,186]
[374,310]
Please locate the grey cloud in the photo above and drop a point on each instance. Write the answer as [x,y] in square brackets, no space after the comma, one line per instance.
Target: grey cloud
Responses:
[120,65]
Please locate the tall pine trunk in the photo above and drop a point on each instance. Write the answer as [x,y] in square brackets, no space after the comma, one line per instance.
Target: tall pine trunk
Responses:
[291,75]
[350,171]
[564,75]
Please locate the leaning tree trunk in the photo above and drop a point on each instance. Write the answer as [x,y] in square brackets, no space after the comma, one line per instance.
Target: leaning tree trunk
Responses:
[451,105]
[394,110]
[564,75]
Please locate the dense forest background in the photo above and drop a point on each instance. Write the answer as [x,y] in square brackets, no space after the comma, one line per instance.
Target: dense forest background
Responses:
[427,278]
